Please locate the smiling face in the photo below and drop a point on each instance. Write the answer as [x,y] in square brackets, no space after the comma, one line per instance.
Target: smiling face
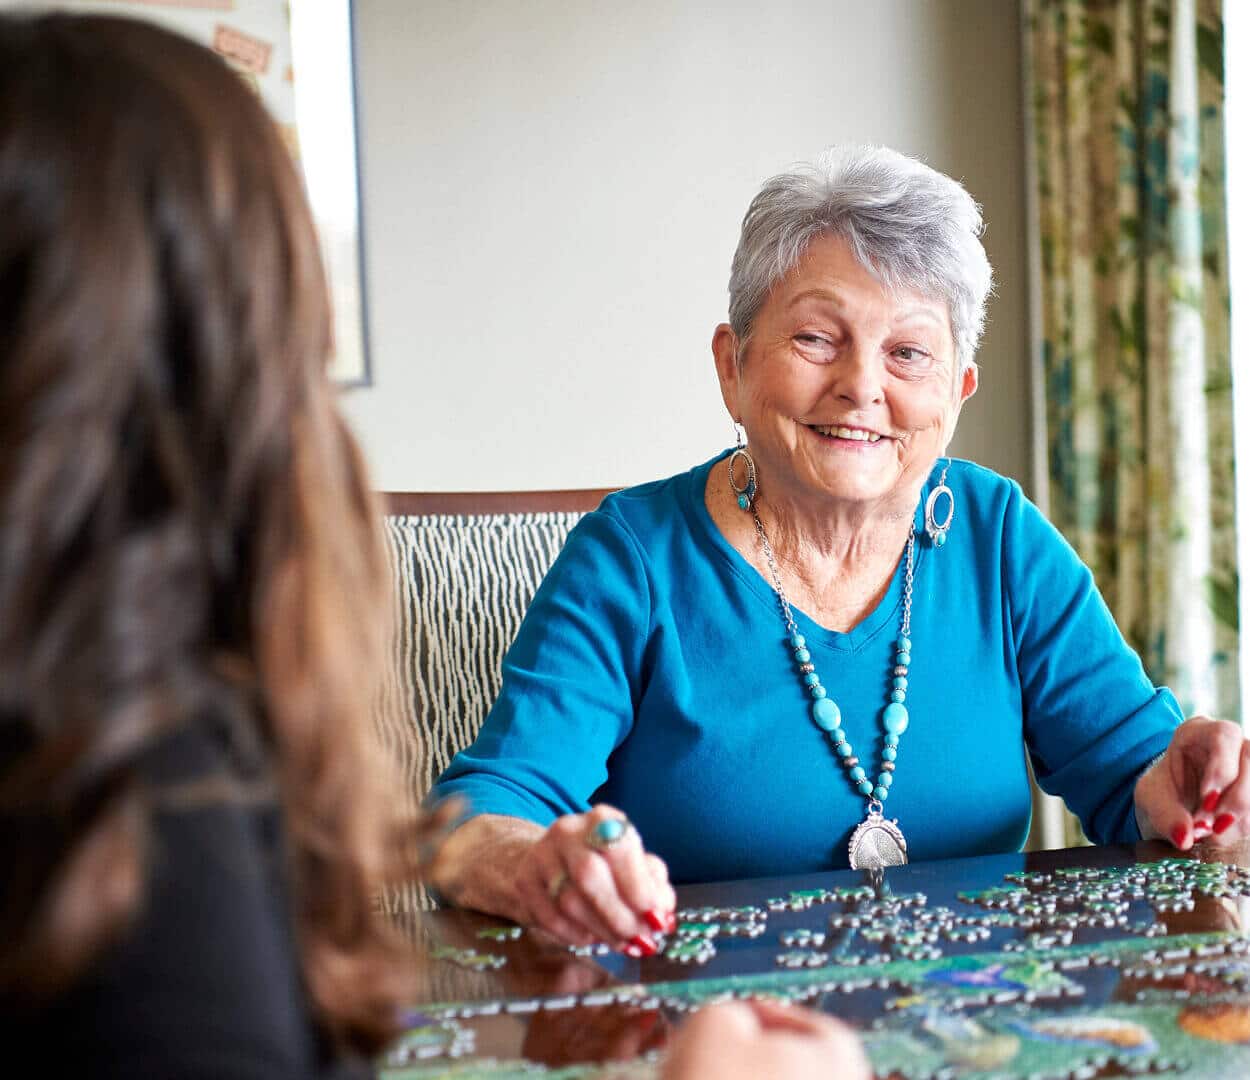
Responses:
[848,392]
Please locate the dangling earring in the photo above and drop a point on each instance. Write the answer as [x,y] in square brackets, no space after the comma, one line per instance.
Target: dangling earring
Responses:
[937,531]
[745,493]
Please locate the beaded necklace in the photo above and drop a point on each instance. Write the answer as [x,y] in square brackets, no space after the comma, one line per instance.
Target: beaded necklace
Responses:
[876,841]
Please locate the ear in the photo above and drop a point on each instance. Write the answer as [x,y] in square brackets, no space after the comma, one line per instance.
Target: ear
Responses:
[965,386]
[725,352]
[968,383]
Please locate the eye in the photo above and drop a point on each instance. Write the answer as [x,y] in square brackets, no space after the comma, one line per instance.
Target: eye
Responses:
[815,348]
[911,361]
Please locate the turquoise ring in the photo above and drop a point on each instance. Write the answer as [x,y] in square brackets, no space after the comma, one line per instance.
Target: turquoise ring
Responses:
[603,834]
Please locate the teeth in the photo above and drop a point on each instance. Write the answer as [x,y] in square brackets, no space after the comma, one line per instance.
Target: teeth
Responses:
[857,434]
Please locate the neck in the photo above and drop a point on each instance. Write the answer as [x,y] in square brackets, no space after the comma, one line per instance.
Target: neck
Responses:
[836,535]
[835,562]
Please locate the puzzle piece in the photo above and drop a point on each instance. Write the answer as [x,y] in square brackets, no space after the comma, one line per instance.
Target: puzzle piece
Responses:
[689,950]
[500,933]
[468,958]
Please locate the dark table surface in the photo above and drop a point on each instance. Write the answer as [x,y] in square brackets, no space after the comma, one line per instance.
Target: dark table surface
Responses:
[547,1006]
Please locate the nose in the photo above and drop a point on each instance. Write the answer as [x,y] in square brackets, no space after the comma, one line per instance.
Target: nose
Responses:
[858,378]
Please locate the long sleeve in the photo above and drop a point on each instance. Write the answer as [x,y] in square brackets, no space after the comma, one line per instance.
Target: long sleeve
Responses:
[1093,721]
[571,682]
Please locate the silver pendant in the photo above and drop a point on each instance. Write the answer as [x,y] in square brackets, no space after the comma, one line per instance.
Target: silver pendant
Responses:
[877,842]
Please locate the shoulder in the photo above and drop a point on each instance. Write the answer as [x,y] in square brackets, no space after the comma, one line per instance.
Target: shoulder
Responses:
[637,540]
[213,952]
[983,487]
[1009,527]
[994,503]
[659,506]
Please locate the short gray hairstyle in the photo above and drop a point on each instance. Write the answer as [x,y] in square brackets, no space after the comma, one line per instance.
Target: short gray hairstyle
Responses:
[909,225]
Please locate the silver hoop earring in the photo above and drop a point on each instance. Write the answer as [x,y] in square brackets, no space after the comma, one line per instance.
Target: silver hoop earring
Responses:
[745,492]
[937,530]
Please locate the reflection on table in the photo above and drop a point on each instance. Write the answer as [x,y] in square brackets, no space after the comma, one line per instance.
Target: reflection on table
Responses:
[1085,962]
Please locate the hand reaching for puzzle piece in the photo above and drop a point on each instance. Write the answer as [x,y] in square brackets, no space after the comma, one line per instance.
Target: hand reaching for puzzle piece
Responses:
[1200,787]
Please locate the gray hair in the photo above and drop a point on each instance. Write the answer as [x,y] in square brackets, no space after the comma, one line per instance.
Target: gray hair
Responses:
[909,225]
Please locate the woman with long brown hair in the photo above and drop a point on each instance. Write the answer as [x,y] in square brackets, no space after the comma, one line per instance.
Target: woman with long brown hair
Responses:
[190,584]
[193,820]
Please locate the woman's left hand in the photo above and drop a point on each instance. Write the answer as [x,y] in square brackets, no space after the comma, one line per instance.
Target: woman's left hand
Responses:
[1200,787]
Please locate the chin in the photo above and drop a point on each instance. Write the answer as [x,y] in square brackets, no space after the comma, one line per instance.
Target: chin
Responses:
[866,484]
[858,491]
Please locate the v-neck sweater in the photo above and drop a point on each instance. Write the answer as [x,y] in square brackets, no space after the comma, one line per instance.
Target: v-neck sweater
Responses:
[653,672]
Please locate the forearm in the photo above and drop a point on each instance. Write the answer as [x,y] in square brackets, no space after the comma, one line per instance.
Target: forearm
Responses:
[476,866]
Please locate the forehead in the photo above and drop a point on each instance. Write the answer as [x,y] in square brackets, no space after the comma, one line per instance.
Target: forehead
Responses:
[829,275]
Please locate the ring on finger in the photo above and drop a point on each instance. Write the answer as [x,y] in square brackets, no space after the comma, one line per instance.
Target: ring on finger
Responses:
[556,884]
[604,834]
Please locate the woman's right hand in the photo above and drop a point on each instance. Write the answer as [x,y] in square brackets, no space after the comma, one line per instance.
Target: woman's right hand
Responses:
[580,889]
[764,1040]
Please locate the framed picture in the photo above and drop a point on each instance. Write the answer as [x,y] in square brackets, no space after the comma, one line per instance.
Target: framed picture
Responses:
[298,55]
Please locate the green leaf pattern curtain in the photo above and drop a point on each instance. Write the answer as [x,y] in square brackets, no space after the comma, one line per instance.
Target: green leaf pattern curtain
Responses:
[1127,100]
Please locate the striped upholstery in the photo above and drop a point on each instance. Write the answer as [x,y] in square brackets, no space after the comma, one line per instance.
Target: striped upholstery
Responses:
[463,583]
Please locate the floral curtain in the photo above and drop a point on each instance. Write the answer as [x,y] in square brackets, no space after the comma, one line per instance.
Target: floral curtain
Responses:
[1126,101]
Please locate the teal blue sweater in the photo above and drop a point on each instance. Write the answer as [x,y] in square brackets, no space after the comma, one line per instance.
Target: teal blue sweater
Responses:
[652,672]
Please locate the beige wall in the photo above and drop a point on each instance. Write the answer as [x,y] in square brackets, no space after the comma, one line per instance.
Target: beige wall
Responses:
[552,192]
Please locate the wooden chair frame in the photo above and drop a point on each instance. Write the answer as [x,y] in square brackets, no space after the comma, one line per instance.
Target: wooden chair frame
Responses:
[421,503]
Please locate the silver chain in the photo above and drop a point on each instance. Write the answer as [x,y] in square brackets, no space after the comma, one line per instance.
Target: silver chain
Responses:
[791,625]
[907,580]
[788,615]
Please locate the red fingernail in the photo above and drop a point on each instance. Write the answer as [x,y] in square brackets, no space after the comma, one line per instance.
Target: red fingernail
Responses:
[670,922]
[1208,803]
[1179,835]
[644,943]
[655,920]
[1202,824]
[1223,822]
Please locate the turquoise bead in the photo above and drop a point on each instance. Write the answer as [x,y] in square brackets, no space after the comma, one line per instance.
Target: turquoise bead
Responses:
[743,502]
[836,734]
[881,794]
[857,773]
[891,741]
[826,713]
[939,540]
[843,749]
[865,787]
[895,718]
[900,682]
[904,644]
[904,658]
[802,655]
[797,641]
[610,830]
[889,754]
[898,695]
[818,691]
[812,679]
[885,779]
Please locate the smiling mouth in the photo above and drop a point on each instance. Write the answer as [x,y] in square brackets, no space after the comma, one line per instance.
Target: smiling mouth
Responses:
[837,431]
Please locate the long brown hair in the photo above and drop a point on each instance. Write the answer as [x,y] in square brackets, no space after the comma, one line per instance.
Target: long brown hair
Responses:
[185,524]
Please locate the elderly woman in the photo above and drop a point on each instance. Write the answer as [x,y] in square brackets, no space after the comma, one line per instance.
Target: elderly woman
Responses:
[752,660]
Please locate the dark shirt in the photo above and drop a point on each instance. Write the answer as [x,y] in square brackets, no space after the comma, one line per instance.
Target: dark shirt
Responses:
[207,981]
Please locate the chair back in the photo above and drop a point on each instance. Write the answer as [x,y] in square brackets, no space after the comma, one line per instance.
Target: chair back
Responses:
[466,567]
